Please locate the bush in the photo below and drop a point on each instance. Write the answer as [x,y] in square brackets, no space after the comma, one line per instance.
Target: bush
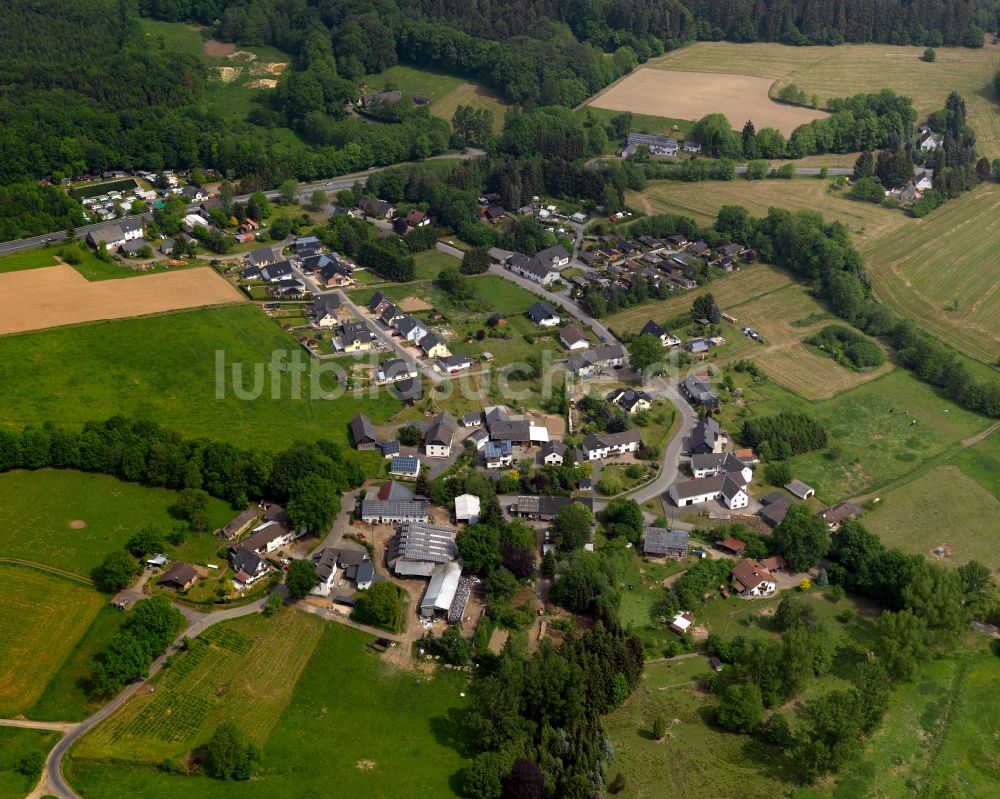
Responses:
[30,765]
[929,55]
[659,728]
[117,570]
[228,755]
[835,592]
[380,606]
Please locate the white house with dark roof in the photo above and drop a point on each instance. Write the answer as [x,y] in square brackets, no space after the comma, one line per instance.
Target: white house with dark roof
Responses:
[117,233]
[722,487]
[439,436]
[555,257]
[395,369]
[532,269]
[282,270]
[543,315]
[554,453]
[604,445]
[410,329]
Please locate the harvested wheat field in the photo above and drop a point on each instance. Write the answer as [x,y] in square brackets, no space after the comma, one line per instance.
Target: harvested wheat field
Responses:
[59,295]
[692,95]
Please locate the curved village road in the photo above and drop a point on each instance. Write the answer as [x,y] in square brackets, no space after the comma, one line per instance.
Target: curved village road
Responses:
[52,779]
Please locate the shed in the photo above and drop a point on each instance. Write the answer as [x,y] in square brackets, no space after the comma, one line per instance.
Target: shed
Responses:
[800,489]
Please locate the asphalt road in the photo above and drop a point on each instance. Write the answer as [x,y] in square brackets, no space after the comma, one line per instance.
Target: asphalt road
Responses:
[304,191]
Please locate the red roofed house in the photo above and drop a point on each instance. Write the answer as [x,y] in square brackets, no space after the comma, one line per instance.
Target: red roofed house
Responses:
[751,579]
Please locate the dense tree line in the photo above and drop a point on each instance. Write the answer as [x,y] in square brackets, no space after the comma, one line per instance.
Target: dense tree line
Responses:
[536,722]
[848,347]
[784,434]
[309,477]
[150,628]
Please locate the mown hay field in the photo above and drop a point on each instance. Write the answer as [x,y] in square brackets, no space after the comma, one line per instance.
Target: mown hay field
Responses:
[841,71]
[692,95]
[42,618]
[943,272]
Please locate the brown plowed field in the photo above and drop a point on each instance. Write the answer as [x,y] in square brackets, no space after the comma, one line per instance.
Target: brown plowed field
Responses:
[59,295]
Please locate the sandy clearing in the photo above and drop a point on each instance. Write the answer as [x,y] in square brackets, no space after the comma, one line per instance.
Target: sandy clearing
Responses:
[692,95]
[411,304]
[53,296]
[228,74]
[276,67]
[262,84]
[217,49]
[242,55]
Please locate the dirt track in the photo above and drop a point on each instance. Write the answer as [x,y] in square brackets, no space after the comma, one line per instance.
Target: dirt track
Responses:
[692,95]
[53,296]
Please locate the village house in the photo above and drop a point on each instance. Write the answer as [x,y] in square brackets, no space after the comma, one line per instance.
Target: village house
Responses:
[553,453]
[532,269]
[545,508]
[404,466]
[651,328]
[324,309]
[238,525]
[707,437]
[630,400]
[395,369]
[273,273]
[543,315]
[498,454]
[439,436]
[712,464]
[433,346]
[573,338]
[598,447]
[453,364]
[410,329]
[751,579]
[377,209]
[659,146]
[472,419]
[585,364]
[353,337]
[697,389]
[116,234]
[839,513]
[722,487]
[682,622]
[774,506]
[378,303]
[179,577]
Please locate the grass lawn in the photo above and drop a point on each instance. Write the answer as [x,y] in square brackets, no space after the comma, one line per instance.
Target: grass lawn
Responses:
[636,611]
[880,431]
[15,744]
[230,668]
[40,623]
[953,516]
[941,271]
[163,368]
[852,69]
[90,266]
[981,462]
[429,264]
[475,95]
[66,696]
[701,202]
[113,511]
[375,730]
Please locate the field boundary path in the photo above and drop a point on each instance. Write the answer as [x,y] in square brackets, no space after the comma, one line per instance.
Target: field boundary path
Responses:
[30,564]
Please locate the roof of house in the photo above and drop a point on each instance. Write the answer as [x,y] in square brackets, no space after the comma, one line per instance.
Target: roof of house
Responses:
[571,334]
[508,430]
[659,540]
[180,574]
[472,418]
[430,341]
[394,490]
[362,572]
[389,447]
[324,303]
[731,487]
[651,328]
[407,324]
[554,448]
[362,429]
[541,311]
[441,430]
[840,512]
[455,362]
[395,367]
[498,449]
[774,513]
[415,216]
[751,574]
[552,254]
[774,563]
[404,464]
[628,398]
[244,560]
[526,263]
[377,299]
[772,497]
[238,524]
[686,489]
[408,388]
[615,439]
[276,271]
[355,331]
